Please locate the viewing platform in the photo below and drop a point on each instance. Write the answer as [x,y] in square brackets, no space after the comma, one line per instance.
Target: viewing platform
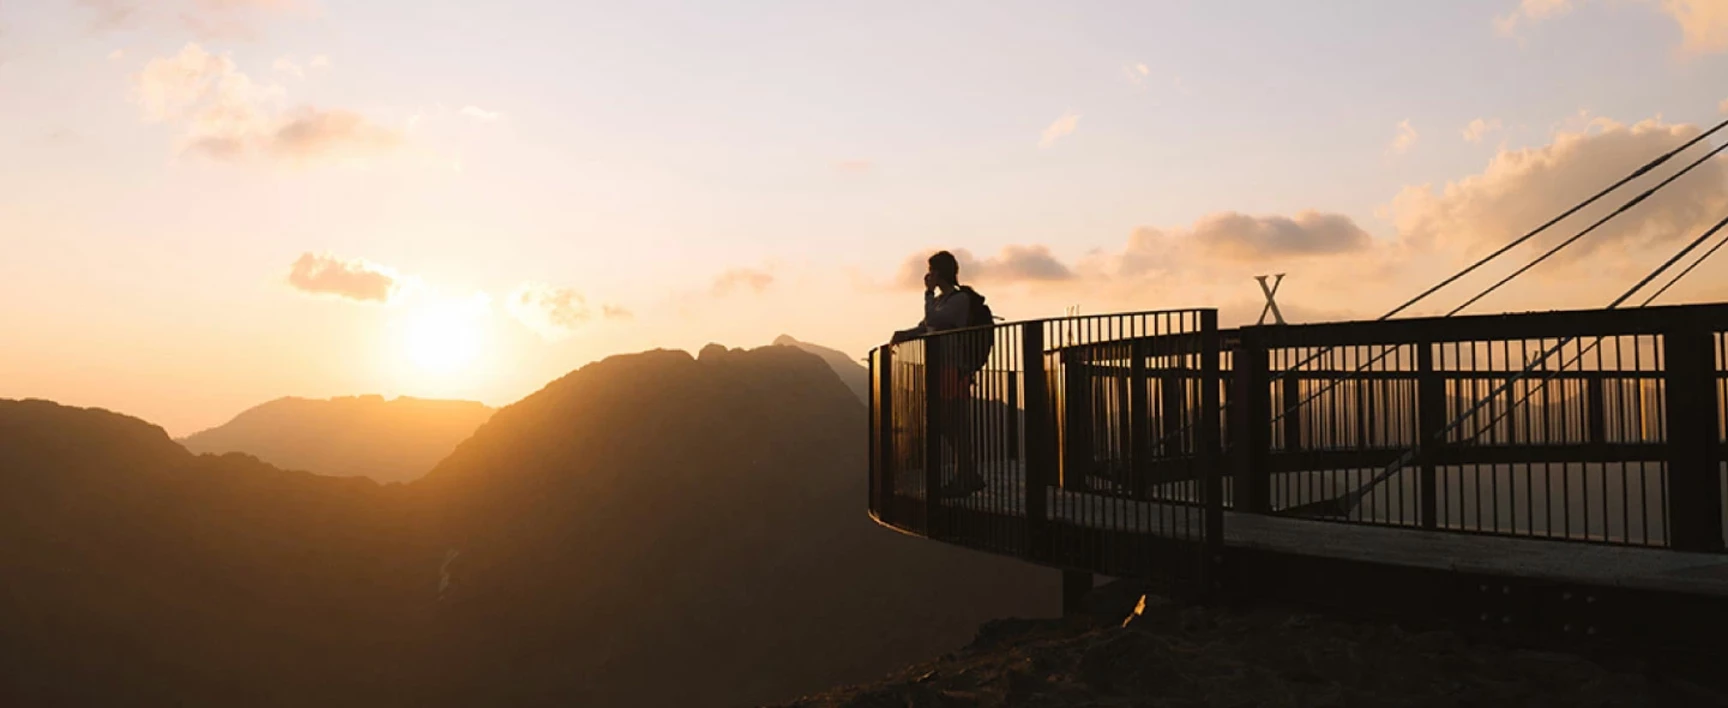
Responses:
[1547,472]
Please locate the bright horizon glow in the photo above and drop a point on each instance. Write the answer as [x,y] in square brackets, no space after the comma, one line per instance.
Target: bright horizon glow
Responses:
[209,205]
[444,338]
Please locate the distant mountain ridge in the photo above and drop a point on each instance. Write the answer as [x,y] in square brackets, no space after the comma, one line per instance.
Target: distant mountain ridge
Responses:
[856,376]
[393,440]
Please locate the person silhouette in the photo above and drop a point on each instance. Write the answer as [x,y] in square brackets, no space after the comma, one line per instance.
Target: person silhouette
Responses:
[948,305]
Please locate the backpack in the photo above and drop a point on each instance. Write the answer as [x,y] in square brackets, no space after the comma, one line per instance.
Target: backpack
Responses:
[980,335]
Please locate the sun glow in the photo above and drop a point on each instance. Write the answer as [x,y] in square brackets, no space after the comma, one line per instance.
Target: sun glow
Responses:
[444,338]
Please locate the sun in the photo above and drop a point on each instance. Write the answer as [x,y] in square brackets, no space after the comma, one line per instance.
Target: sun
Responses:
[445,338]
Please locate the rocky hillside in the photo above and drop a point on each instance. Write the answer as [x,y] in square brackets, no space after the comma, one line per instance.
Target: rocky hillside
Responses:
[1163,654]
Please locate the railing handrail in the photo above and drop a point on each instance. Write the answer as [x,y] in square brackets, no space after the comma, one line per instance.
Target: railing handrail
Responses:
[1047,320]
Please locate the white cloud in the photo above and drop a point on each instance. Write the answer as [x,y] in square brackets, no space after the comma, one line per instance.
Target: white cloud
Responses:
[1476,129]
[287,66]
[117,55]
[1406,137]
[481,114]
[1059,128]
[223,114]
[356,279]
[319,62]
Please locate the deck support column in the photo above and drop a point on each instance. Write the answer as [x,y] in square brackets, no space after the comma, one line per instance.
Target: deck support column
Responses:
[1694,481]
[1251,416]
[1040,457]
[1430,432]
[936,427]
[1075,585]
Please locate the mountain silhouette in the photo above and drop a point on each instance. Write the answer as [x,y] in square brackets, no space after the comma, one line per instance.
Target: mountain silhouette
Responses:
[139,573]
[652,529]
[712,509]
[856,376]
[353,436]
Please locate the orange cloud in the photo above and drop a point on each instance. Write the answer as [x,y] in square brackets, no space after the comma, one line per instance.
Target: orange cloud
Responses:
[326,274]
[310,133]
[1402,142]
[223,114]
[1062,126]
[110,14]
[1014,264]
[1521,189]
[1475,130]
[555,312]
[1703,23]
[742,278]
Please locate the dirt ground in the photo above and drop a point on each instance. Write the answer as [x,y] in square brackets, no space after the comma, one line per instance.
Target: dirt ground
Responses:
[1176,656]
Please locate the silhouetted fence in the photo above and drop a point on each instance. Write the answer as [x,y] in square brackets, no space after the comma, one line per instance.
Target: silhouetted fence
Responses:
[1116,443]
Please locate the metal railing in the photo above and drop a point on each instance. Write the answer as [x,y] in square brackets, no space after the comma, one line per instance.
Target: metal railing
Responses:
[1120,440]
[1067,469]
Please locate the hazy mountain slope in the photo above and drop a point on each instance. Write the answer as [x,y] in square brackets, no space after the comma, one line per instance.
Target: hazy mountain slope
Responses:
[354,436]
[856,376]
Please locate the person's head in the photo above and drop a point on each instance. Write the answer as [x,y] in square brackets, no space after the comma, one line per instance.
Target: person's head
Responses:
[944,270]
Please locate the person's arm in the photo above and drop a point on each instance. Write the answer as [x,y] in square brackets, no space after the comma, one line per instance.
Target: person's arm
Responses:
[923,325]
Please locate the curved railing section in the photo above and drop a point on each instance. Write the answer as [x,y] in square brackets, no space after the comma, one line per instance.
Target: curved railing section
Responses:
[1123,444]
[1042,452]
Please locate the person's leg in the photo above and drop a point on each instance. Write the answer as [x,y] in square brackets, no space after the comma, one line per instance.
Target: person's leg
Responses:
[958,424]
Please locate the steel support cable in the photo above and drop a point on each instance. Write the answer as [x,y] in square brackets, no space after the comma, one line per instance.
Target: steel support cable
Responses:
[1642,170]
[1646,194]
[1341,505]
[1563,244]
[1503,249]
[1586,350]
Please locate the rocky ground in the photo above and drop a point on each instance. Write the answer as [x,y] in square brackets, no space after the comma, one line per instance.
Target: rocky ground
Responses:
[1169,655]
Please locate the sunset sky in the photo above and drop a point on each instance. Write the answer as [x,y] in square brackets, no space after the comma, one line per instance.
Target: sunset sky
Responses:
[206,204]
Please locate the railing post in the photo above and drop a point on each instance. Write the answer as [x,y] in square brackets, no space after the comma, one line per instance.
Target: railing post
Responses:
[1212,483]
[1140,435]
[1430,420]
[1076,420]
[1040,440]
[1291,410]
[1695,493]
[1251,423]
[935,424]
[1596,409]
[883,416]
[1172,390]
[1014,417]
